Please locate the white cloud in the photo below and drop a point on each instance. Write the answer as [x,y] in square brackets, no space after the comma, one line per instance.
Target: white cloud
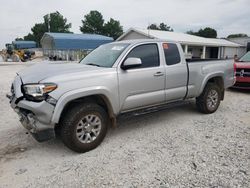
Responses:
[227,16]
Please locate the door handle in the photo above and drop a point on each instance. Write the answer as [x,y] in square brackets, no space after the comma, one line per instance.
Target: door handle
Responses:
[159,74]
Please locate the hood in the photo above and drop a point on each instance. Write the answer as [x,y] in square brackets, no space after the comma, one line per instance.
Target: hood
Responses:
[41,71]
[242,65]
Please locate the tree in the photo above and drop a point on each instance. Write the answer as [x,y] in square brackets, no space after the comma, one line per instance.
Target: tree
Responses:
[191,32]
[237,35]
[206,32]
[18,39]
[113,28]
[165,27]
[29,37]
[38,31]
[162,26]
[153,27]
[95,24]
[53,22]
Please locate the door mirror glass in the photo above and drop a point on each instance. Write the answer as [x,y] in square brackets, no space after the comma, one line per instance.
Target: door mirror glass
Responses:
[131,62]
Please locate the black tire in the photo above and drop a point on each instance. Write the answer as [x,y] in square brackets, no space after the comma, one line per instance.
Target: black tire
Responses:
[202,100]
[71,120]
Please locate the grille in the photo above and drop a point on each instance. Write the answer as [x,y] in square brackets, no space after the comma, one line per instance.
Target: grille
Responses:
[241,72]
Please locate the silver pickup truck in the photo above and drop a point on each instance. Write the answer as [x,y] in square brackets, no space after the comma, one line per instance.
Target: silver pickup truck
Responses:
[81,100]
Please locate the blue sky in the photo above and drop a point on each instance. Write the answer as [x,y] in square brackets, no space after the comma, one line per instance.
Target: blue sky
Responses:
[226,16]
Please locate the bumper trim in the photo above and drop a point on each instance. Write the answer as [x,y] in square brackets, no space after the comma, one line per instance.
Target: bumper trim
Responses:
[44,135]
[242,85]
[31,124]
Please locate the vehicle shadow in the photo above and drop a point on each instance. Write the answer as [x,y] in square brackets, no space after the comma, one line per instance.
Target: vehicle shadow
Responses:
[237,90]
[125,124]
[130,122]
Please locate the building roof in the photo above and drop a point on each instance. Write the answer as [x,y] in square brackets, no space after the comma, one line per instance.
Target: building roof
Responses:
[240,40]
[78,36]
[24,44]
[69,41]
[182,38]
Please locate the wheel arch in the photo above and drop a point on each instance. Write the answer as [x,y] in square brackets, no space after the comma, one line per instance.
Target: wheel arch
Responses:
[216,79]
[64,103]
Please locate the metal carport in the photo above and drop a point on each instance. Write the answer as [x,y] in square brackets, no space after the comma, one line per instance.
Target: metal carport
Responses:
[71,46]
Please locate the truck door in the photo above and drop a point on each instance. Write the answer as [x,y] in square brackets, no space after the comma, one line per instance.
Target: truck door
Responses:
[144,85]
[176,72]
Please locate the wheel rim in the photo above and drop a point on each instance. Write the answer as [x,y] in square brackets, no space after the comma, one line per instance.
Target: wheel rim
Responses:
[212,99]
[88,128]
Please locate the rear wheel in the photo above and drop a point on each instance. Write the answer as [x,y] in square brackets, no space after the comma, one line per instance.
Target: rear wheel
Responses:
[209,101]
[84,127]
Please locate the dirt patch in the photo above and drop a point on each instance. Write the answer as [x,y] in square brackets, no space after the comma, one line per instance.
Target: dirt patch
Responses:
[10,152]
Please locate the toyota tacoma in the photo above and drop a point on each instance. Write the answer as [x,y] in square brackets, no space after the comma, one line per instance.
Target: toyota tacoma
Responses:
[80,100]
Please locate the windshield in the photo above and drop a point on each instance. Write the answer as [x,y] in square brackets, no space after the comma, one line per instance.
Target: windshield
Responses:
[105,55]
[246,57]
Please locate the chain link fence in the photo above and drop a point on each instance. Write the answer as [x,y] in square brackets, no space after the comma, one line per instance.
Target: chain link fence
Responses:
[66,55]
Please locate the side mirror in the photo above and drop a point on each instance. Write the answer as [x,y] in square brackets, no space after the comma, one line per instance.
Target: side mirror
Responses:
[131,62]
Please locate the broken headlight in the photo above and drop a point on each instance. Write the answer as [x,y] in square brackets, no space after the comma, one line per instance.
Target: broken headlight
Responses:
[38,92]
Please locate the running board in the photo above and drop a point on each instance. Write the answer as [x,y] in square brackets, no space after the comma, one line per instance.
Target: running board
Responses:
[156,108]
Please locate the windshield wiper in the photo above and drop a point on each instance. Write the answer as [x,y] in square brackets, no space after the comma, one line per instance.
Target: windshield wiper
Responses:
[93,64]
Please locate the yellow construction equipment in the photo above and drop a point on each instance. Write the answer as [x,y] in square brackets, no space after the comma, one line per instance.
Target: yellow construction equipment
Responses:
[16,55]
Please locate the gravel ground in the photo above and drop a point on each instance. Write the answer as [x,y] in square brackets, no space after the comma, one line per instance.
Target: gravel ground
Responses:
[176,147]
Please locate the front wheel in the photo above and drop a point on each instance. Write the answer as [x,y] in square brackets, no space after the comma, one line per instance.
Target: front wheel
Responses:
[15,58]
[84,127]
[209,101]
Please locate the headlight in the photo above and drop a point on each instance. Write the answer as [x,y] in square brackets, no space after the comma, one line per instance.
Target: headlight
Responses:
[38,91]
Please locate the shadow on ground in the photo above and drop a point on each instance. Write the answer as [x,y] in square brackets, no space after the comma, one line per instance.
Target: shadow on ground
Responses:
[236,90]
[126,123]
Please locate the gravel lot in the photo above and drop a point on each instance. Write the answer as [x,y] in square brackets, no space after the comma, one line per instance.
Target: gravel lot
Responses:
[176,147]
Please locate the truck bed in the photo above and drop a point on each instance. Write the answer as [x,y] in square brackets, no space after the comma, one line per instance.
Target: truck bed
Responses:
[200,71]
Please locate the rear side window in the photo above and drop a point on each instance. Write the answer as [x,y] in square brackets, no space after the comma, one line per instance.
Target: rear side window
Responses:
[148,53]
[172,54]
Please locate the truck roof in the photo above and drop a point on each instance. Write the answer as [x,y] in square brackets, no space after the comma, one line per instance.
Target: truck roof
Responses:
[136,41]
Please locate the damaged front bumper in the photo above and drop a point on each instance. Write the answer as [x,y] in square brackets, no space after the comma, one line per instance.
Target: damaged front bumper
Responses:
[34,116]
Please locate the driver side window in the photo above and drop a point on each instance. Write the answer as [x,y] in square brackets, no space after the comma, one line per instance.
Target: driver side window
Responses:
[148,53]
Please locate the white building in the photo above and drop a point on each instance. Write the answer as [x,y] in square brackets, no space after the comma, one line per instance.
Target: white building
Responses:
[193,46]
[244,41]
